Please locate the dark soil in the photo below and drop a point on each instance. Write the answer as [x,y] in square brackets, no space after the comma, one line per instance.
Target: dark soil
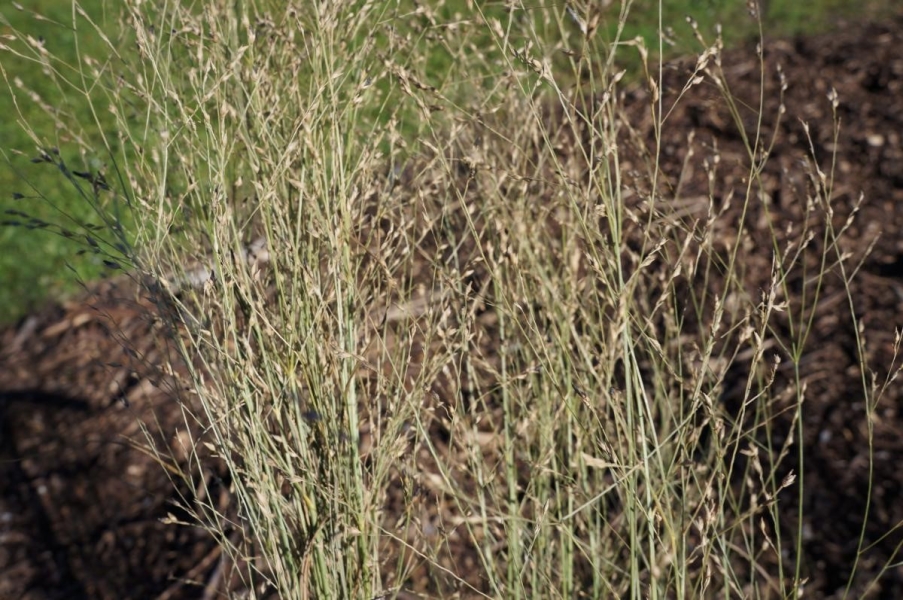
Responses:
[82,499]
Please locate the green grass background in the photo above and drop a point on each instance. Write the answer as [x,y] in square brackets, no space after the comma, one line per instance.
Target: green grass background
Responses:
[38,264]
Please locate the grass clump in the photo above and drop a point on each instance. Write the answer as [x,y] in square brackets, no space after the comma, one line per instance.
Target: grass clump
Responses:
[32,264]
[450,326]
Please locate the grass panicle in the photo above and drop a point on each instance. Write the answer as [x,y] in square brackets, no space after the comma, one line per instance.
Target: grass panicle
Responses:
[454,326]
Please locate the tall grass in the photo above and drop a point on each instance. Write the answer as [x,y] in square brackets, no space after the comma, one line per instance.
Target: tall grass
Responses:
[448,327]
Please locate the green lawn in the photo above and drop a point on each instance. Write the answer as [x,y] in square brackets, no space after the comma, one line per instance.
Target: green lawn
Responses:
[36,262]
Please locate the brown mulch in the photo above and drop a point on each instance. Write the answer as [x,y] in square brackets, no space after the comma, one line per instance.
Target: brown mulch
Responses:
[82,500]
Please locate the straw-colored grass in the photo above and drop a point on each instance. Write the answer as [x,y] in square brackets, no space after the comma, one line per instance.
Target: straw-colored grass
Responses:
[470,353]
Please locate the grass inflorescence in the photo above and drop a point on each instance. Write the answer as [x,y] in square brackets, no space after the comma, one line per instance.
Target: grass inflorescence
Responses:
[457,330]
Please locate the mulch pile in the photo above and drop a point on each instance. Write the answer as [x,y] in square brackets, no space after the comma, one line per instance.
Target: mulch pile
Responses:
[81,500]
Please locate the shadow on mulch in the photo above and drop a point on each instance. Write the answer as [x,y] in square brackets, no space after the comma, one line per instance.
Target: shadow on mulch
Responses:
[82,502]
[83,496]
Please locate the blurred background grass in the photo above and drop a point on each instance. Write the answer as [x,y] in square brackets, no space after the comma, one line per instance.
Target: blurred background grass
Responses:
[37,264]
